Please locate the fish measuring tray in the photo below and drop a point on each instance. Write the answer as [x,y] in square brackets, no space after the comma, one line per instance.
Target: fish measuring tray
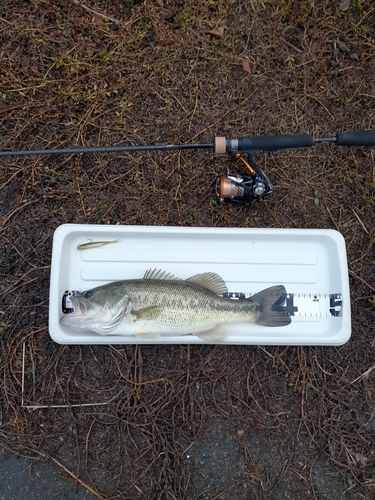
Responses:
[308,262]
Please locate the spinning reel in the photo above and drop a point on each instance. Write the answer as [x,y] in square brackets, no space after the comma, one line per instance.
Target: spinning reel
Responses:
[243,188]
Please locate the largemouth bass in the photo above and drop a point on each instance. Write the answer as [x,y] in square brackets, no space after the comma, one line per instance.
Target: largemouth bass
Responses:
[162,304]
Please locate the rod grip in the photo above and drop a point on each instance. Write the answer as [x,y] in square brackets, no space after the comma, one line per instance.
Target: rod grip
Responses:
[223,145]
[273,142]
[361,138]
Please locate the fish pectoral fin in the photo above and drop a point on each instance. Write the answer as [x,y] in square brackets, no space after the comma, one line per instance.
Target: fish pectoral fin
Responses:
[216,334]
[147,335]
[210,281]
[147,313]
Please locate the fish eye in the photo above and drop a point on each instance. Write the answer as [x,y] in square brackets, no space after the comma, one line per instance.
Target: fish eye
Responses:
[88,294]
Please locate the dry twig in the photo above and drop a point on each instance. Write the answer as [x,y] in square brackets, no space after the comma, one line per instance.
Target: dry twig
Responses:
[94,12]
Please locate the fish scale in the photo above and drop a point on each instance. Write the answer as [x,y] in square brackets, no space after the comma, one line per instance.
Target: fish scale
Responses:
[183,305]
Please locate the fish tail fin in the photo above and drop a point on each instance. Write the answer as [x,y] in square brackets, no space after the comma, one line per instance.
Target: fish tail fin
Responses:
[270,310]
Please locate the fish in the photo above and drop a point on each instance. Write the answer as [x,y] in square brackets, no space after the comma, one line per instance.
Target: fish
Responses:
[162,304]
[95,244]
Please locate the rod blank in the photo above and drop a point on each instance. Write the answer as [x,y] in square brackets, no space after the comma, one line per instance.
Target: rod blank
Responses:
[223,145]
[118,149]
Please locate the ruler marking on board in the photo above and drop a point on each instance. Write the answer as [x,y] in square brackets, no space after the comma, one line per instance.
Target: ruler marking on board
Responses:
[294,304]
[303,304]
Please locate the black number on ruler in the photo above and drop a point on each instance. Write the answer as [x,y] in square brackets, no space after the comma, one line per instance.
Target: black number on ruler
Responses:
[234,295]
[335,304]
[285,304]
[67,306]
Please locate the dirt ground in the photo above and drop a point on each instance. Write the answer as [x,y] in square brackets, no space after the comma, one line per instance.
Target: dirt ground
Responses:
[177,421]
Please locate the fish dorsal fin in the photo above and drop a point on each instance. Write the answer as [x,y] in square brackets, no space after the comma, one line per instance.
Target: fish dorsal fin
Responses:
[159,274]
[211,281]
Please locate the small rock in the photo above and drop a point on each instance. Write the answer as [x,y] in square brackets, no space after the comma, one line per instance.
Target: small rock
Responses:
[344,5]
[343,47]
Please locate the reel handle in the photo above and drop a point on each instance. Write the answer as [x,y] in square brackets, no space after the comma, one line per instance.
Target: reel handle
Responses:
[361,138]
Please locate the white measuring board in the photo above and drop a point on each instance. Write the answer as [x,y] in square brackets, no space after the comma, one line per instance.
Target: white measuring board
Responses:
[310,263]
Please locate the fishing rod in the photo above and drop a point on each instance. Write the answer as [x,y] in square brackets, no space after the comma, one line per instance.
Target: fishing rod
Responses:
[229,188]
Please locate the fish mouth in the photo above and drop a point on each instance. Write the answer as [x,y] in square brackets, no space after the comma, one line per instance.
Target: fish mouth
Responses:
[102,321]
[80,309]
[83,306]
[80,306]
[76,304]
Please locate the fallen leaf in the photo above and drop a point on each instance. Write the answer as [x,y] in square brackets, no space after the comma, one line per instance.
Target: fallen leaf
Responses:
[170,15]
[361,459]
[97,19]
[219,32]
[246,66]
[344,5]
[160,3]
